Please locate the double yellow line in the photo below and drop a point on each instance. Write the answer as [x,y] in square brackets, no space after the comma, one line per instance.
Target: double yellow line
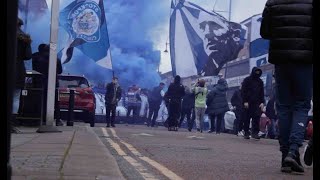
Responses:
[138,166]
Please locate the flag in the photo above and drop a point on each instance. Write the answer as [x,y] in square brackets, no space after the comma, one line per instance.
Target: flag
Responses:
[85,22]
[258,61]
[201,42]
[258,45]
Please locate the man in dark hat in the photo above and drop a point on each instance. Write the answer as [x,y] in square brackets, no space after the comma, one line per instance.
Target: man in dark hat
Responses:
[252,93]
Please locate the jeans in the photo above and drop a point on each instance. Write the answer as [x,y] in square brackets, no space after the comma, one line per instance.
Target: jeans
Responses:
[134,110]
[246,116]
[153,110]
[184,113]
[174,112]
[200,117]
[293,95]
[219,121]
[110,108]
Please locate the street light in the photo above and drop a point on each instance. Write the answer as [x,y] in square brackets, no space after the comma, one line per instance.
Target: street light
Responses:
[166,50]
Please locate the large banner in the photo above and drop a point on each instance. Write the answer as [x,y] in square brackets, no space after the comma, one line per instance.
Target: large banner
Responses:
[86,25]
[258,45]
[201,42]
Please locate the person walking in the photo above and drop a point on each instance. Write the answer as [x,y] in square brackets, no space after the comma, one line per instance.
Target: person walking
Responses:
[173,98]
[217,104]
[155,99]
[252,94]
[112,97]
[200,94]
[187,108]
[236,102]
[133,104]
[289,27]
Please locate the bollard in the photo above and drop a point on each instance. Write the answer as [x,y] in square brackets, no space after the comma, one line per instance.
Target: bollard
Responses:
[71,107]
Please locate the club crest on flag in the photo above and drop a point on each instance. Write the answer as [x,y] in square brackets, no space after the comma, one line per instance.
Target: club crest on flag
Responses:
[85,21]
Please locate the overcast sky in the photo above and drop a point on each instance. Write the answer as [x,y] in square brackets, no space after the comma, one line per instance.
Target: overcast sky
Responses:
[240,10]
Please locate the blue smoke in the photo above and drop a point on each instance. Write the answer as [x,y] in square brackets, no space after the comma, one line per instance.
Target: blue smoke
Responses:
[130,25]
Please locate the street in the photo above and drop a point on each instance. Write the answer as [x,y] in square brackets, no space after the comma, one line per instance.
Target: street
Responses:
[155,153]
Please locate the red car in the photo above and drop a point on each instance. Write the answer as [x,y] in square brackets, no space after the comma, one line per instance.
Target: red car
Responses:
[84,99]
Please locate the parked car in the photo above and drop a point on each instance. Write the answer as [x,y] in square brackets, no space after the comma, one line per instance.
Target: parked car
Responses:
[84,99]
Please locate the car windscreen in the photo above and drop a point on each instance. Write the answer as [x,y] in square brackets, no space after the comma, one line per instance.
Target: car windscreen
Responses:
[72,82]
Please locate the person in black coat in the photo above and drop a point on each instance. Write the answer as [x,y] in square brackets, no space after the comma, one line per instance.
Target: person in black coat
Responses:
[187,106]
[154,100]
[173,97]
[23,53]
[252,93]
[112,97]
[217,104]
[289,26]
[236,102]
[40,63]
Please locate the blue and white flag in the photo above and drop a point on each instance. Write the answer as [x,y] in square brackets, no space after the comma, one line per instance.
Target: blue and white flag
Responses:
[85,22]
[202,42]
[258,61]
[258,45]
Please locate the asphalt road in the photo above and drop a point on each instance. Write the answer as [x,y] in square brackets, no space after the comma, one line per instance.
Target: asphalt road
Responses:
[155,153]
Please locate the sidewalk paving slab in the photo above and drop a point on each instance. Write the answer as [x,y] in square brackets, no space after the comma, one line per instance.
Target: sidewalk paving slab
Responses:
[75,153]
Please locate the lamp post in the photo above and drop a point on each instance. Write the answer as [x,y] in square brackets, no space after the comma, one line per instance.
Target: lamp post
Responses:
[166,50]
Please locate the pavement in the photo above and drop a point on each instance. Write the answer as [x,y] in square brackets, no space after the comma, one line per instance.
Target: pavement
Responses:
[76,153]
[138,152]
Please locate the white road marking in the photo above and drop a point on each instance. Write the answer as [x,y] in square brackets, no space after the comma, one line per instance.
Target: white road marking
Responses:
[165,171]
[104,131]
[113,132]
[195,137]
[138,166]
[143,134]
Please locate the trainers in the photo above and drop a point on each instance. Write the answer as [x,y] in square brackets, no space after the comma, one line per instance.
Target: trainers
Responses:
[108,125]
[294,162]
[240,133]
[307,155]
[285,167]
[189,129]
[255,136]
[112,125]
[246,135]
[210,131]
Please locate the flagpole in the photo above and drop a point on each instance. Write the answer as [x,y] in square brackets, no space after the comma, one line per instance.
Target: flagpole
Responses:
[52,70]
[229,19]
[26,16]
[105,18]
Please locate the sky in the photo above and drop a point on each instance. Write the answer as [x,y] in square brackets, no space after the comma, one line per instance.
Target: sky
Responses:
[240,10]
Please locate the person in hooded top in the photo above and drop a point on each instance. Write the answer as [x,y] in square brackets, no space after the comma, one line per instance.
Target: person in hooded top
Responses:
[174,97]
[252,94]
[217,104]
